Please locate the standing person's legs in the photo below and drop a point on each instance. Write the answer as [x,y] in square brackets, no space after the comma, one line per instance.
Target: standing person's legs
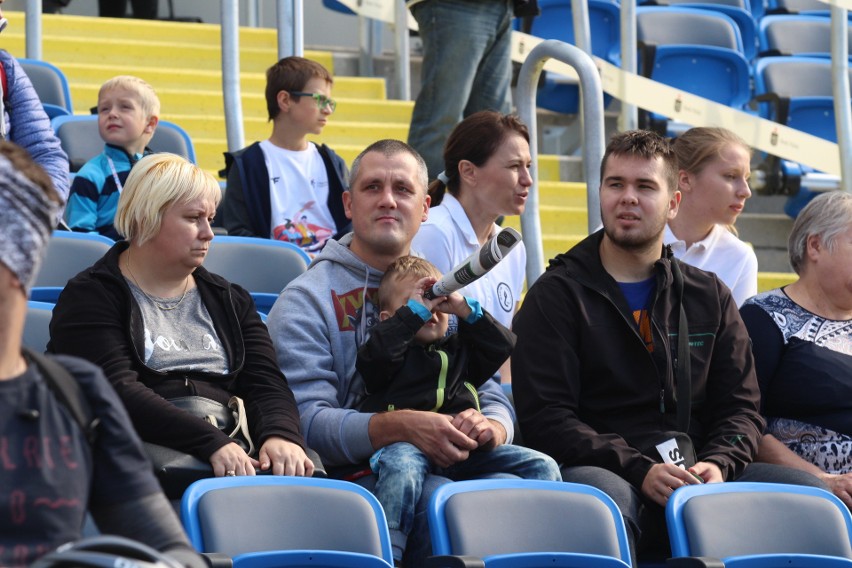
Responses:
[514,461]
[112,8]
[419,543]
[401,469]
[492,86]
[145,9]
[457,36]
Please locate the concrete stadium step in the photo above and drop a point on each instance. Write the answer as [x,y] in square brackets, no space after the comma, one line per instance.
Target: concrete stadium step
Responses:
[118,52]
[86,76]
[335,132]
[143,30]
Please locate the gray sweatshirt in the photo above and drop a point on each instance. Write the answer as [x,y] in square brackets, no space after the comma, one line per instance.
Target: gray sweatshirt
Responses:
[317,325]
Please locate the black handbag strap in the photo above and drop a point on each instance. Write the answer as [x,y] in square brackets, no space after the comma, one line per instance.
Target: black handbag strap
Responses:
[683,368]
[66,390]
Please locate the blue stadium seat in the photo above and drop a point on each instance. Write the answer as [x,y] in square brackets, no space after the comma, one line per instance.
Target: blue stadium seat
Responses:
[556,22]
[262,266]
[50,84]
[797,92]
[69,253]
[272,520]
[808,35]
[79,137]
[529,523]
[759,525]
[37,325]
[694,50]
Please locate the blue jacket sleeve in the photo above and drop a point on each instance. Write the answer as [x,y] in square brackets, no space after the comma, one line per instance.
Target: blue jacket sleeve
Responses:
[29,126]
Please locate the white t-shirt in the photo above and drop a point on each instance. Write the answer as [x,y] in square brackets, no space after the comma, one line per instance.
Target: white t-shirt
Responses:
[298,190]
[447,238]
[733,261]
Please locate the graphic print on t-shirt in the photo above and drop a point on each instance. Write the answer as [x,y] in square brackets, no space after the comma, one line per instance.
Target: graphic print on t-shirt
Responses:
[298,195]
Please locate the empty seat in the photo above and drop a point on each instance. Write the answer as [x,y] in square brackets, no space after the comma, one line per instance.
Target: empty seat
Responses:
[760,525]
[274,520]
[69,253]
[259,265]
[694,50]
[79,137]
[797,92]
[797,35]
[529,523]
[50,85]
[556,22]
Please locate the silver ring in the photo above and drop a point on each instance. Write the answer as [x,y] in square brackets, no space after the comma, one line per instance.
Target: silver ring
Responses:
[230,473]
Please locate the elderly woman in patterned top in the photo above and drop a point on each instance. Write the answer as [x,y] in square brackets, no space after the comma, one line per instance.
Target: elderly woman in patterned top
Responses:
[802,342]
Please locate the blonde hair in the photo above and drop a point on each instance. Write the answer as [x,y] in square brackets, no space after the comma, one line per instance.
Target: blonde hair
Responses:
[148,99]
[155,183]
[699,146]
[401,268]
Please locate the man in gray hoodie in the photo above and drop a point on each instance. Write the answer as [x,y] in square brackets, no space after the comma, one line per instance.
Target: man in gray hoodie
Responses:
[323,316]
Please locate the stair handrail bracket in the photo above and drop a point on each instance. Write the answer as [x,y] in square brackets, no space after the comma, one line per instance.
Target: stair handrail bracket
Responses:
[592,115]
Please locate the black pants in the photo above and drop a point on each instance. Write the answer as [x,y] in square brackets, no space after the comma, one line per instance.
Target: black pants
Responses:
[143,9]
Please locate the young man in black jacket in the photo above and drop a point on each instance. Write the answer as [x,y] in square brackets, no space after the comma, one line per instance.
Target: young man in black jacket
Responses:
[595,371]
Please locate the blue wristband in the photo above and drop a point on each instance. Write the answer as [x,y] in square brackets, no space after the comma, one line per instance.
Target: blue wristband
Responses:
[475,310]
[419,309]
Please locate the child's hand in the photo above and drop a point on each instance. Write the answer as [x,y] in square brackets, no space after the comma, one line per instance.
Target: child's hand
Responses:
[420,287]
[455,304]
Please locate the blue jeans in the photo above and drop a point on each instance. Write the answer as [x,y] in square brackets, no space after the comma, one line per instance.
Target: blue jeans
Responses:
[401,469]
[466,68]
[646,521]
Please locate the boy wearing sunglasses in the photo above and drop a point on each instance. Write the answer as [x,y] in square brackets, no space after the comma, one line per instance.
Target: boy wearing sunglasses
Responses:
[286,187]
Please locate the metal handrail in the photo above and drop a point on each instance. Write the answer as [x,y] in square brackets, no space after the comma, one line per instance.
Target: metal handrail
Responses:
[231,93]
[591,97]
[840,90]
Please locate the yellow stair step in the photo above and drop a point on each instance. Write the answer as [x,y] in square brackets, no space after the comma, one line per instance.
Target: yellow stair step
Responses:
[90,76]
[770,280]
[58,26]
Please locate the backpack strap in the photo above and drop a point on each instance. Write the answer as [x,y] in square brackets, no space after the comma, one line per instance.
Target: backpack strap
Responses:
[67,391]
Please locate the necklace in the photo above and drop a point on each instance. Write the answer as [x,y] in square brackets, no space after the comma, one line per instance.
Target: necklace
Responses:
[153,301]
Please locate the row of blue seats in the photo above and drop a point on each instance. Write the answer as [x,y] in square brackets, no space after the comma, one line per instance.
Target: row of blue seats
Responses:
[261,266]
[281,521]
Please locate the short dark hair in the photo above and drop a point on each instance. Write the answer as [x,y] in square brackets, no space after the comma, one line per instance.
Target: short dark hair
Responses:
[291,74]
[644,144]
[390,147]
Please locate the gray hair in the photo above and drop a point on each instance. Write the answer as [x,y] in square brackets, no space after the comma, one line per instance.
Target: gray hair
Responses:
[389,148]
[825,217]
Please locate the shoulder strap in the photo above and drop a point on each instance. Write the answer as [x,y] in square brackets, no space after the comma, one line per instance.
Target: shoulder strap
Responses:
[66,390]
[683,366]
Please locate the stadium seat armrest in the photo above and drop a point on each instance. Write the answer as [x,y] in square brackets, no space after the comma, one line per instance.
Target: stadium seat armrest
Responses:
[218,560]
[694,562]
[452,561]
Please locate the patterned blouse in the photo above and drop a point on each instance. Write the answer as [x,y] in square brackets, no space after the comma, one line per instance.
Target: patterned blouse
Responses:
[804,366]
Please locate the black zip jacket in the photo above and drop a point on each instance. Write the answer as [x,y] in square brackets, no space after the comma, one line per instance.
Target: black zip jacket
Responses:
[400,373]
[97,318]
[588,392]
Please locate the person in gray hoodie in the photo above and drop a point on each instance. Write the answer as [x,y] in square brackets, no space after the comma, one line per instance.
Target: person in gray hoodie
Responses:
[324,315]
